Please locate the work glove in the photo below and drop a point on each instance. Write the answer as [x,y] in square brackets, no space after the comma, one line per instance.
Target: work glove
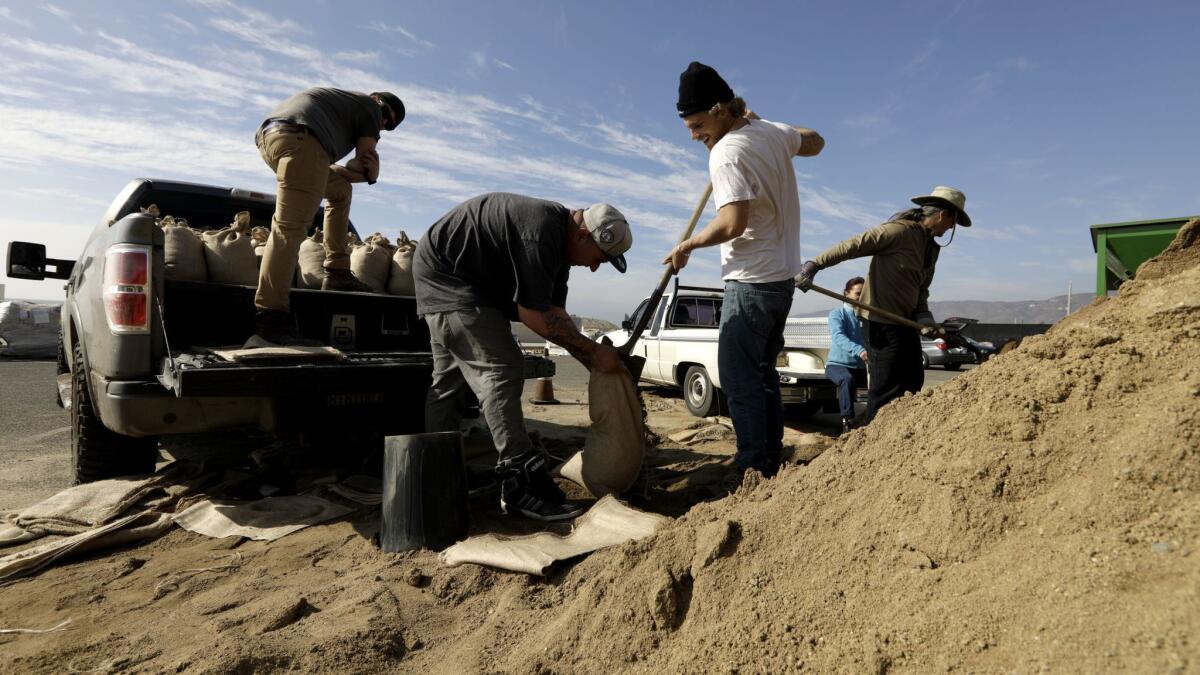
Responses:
[931,327]
[808,272]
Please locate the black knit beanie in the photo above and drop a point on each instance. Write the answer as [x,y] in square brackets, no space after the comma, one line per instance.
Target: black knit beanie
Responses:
[700,88]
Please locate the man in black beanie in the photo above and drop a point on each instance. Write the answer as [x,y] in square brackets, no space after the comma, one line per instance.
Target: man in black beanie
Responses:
[758,229]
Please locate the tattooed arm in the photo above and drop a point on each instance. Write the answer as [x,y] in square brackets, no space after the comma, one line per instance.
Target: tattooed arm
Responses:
[556,326]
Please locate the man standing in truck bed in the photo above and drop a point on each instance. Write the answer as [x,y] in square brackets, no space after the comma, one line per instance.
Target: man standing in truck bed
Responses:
[758,229]
[498,258]
[300,140]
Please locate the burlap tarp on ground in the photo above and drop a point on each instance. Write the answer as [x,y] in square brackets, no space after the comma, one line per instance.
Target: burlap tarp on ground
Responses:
[615,447]
[608,523]
[264,520]
[136,527]
[77,509]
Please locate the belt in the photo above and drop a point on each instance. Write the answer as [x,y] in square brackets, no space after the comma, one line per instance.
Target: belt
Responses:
[283,126]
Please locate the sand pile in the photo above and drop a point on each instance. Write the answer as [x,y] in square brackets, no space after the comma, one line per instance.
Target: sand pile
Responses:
[1040,511]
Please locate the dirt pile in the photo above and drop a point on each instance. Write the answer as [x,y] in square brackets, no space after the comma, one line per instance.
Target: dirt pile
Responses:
[1040,511]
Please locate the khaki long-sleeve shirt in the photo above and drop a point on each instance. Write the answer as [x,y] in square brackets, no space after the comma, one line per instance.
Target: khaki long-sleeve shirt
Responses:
[902,264]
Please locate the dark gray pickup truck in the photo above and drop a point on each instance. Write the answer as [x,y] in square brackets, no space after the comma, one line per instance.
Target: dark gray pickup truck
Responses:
[135,345]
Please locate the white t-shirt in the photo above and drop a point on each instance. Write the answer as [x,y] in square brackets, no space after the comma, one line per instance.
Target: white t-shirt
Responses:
[754,164]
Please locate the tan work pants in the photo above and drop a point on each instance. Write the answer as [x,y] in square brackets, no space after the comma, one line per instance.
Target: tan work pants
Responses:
[303,177]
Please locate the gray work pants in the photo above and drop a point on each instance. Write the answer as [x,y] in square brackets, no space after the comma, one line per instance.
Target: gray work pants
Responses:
[475,348]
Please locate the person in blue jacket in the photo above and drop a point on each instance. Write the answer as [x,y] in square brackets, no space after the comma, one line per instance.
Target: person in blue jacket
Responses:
[847,362]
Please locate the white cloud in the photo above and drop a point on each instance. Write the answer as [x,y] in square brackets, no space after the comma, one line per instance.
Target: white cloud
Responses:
[177,24]
[922,57]
[56,11]
[6,14]
[397,29]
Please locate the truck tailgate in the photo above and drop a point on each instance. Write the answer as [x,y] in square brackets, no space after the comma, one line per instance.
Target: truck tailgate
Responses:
[205,374]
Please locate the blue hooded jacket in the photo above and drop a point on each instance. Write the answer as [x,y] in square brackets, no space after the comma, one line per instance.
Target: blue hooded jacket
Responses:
[847,338]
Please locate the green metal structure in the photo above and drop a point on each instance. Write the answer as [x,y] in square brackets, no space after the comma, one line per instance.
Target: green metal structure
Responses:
[1121,247]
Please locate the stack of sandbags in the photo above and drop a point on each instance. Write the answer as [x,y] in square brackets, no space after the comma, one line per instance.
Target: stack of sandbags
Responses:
[400,278]
[310,270]
[229,254]
[183,250]
[371,261]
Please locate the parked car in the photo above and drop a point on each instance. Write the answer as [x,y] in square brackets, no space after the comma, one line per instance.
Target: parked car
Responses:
[680,348]
[935,352]
[982,351]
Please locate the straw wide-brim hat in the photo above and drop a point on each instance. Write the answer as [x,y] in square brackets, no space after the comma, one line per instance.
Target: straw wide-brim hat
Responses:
[947,196]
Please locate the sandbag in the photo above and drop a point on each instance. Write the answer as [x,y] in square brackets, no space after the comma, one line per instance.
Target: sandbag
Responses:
[229,255]
[29,329]
[400,276]
[371,262]
[615,447]
[310,272]
[183,251]
[258,239]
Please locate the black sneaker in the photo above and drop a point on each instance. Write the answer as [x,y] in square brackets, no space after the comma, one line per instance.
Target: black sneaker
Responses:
[276,328]
[526,489]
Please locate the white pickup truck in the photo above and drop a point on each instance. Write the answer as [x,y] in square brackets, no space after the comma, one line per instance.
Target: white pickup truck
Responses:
[680,348]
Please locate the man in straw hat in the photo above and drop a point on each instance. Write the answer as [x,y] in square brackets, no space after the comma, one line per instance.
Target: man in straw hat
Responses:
[497,258]
[904,252]
[300,140]
[758,229]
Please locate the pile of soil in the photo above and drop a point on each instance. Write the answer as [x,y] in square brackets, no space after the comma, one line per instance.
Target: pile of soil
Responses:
[1038,512]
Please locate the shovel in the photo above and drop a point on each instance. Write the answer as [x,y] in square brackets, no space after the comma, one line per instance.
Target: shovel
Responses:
[949,329]
[636,363]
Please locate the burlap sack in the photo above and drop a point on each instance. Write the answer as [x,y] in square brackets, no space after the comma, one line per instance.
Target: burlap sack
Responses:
[615,447]
[310,272]
[400,277]
[258,239]
[371,261]
[183,251]
[229,255]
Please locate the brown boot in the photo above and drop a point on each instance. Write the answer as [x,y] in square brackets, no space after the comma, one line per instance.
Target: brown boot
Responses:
[343,280]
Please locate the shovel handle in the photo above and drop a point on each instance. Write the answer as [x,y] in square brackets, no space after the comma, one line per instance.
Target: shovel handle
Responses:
[903,321]
[656,296]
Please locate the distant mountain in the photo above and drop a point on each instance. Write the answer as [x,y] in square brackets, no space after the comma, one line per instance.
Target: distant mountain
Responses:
[990,311]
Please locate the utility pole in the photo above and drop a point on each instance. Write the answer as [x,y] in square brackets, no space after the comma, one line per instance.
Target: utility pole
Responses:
[1068,297]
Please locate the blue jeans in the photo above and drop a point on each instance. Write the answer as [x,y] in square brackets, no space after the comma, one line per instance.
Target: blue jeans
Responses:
[845,379]
[751,336]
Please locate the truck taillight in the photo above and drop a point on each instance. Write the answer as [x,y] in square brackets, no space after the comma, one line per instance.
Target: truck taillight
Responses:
[127,288]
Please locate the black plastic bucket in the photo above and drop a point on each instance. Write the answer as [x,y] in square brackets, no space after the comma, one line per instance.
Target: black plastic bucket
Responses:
[424,492]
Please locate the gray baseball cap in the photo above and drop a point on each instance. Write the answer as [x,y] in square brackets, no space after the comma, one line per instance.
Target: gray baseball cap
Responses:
[610,231]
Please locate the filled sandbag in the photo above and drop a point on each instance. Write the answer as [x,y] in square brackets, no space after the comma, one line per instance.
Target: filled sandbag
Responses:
[310,272]
[258,239]
[371,262]
[183,251]
[615,447]
[400,276]
[229,255]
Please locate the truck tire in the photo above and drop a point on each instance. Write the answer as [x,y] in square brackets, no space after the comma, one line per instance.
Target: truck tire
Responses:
[96,452]
[699,394]
[61,368]
[925,361]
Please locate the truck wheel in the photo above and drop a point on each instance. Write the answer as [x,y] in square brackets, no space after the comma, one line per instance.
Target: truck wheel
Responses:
[61,368]
[924,361]
[96,452]
[699,394]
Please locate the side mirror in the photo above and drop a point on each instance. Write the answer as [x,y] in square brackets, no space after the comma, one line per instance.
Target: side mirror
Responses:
[26,261]
[627,324]
[29,261]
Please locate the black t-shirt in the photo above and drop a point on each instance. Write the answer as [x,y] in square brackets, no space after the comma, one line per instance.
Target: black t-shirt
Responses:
[495,250]
[338,118]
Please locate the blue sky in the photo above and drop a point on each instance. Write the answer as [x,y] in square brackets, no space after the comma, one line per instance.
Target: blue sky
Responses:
[1049,116]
